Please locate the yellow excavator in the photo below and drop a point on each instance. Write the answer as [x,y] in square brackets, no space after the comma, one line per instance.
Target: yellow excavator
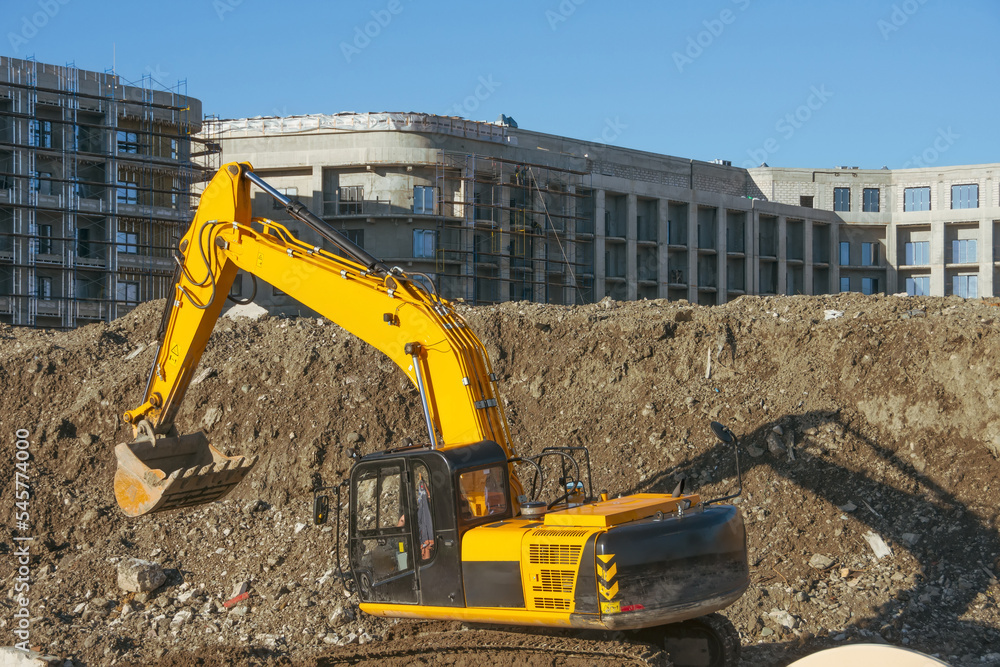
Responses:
[441,529]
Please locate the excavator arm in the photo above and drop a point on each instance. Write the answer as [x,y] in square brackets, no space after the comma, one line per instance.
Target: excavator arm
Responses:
[386,308]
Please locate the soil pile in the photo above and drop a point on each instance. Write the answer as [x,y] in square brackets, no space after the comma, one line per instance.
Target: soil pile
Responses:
[865,423]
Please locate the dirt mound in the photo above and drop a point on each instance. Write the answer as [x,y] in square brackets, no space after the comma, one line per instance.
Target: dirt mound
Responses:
[876,426]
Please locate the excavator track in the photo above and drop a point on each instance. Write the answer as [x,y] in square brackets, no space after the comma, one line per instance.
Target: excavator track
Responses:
[705,641]
[498,647]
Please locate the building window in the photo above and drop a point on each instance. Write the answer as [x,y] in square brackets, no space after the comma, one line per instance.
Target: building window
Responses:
[81,289]
[44,239]
[917,199]
[918,286]
[127,291]
[350,199]
[40,133]
[845,284]
[128,142]
[127,242]
[173,149]
[963,251]
[966,287]
[869,254]
[965,196]
[806,201]
[355,236]
[869,285]
[870,202]
[44,288]
[87,139]
[423,200]
[918,253]
[841,199]
[845,253]
[83,247]
[291,193]
[424,242]
[127,191]
[44,183]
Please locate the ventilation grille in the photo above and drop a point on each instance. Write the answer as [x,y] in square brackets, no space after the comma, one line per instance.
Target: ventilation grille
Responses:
[555,581]
[559,532]
[554,554]
[554,604]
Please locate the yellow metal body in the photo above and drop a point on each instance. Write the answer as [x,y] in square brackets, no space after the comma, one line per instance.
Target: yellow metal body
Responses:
[463,403]
[607,513]
[549,555]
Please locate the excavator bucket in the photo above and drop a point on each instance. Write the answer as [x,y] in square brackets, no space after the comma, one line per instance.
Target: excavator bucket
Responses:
[155,475]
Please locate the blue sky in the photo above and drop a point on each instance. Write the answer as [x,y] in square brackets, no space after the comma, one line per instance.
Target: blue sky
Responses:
[796,84]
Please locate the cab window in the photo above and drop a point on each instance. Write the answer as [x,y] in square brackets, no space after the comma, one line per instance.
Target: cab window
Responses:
[481,493]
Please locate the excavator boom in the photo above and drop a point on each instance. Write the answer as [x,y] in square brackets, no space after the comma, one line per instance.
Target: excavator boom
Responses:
[388,309]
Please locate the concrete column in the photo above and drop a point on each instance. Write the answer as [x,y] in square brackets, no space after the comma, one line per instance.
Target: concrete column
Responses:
[753,250]
[467,195]
[835,257]
[985,257]
[631,249]
[692,267]
[892,261]
[722,259]
[662,253]
[782,254]
[600,286]
[569,247]
[807,264]
[938,254]
[749,251]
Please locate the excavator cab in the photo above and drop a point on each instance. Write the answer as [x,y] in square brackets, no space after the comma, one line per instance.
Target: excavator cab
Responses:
[408,510]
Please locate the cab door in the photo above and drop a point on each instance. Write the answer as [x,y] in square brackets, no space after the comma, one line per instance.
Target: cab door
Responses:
[382,552]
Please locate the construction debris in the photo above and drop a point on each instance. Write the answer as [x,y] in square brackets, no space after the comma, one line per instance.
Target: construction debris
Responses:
[138,576]
[893,410]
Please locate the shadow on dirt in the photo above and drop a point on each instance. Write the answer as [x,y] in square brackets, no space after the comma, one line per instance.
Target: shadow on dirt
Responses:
[953,552]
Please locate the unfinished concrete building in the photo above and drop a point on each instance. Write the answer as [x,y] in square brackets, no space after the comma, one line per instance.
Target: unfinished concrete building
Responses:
[929,231]
[490,213]
[95,183]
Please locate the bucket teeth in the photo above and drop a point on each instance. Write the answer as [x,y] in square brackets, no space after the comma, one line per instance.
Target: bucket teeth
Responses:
[219,467]
[190,472]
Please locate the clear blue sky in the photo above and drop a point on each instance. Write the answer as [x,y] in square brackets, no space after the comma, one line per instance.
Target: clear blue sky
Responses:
[797,84]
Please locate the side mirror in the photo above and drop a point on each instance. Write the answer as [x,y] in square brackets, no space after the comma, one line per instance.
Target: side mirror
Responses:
[723,433]
[321,509]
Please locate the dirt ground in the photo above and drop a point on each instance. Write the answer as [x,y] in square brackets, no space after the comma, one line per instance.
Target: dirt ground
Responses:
[883,421]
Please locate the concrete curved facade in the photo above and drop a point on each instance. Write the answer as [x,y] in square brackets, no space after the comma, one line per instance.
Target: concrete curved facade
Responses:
[493,213]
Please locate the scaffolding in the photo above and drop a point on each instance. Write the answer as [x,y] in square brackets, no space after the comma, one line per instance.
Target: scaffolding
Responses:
[96,179]
[513,231]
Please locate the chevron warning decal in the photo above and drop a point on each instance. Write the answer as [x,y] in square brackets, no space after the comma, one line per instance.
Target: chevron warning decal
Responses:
[606,571]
